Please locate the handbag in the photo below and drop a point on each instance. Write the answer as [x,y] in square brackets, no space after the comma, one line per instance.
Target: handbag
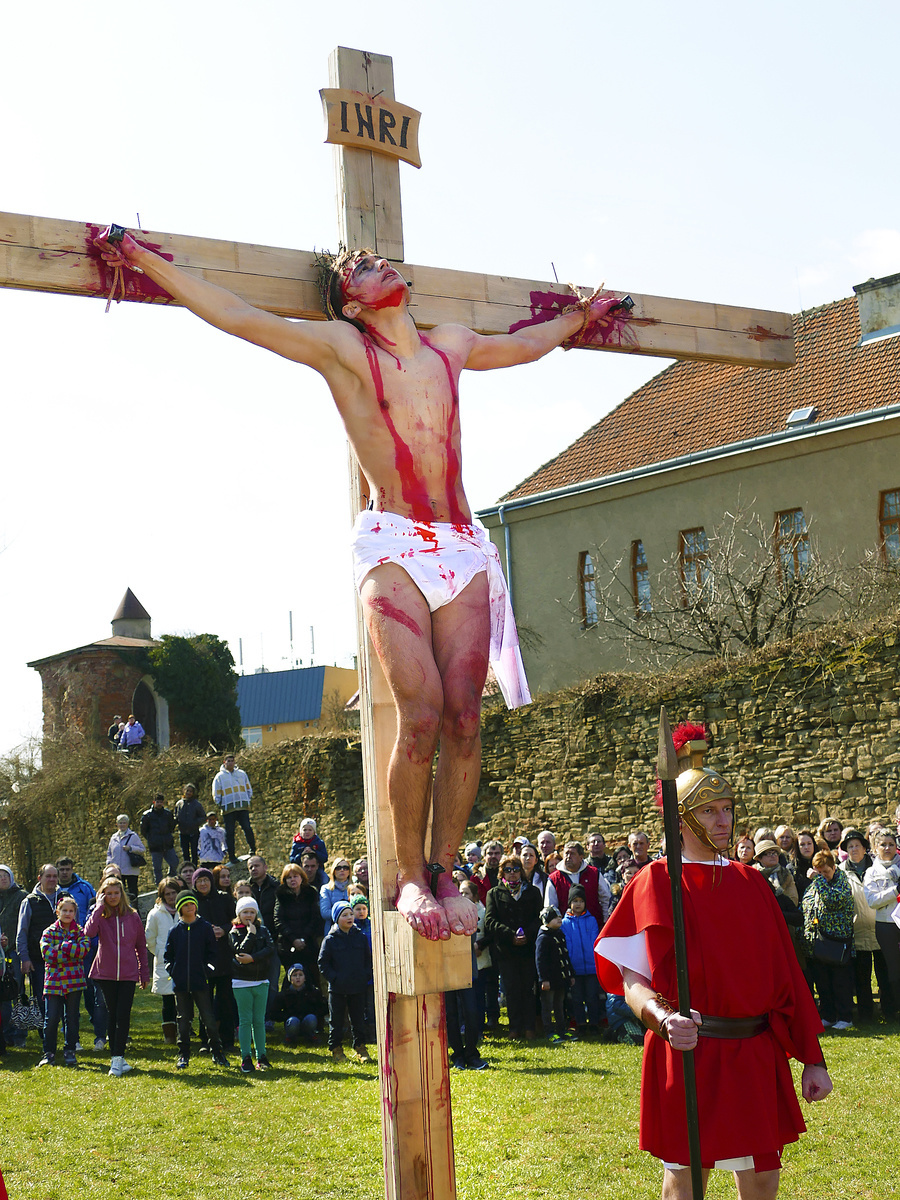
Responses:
[27,1012]
[135,857]
[9,989]
[834,952]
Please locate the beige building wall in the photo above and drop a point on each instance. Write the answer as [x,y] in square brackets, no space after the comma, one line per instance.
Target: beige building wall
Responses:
[836,477]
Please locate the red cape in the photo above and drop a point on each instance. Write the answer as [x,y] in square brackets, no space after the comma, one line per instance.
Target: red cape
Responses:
[741,964]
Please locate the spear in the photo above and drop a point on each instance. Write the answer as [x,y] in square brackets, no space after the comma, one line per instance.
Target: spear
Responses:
[667,770]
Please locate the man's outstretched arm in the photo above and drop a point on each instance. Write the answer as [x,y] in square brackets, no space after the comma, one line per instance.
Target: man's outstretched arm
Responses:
[308,342]
[531,343]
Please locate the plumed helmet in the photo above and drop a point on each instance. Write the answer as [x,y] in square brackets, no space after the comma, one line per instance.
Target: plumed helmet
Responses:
[696,784]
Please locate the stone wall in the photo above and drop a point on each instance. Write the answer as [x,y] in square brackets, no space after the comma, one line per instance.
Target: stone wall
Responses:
[72,806]
[798,736]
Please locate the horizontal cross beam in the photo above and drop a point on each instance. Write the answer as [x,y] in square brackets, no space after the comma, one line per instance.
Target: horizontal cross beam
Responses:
[47,255]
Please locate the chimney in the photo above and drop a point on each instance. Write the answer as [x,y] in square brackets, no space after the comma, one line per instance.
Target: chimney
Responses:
[879,308]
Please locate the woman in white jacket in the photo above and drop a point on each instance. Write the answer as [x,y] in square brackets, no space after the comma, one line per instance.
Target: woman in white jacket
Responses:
[160,920]
[865,941]
[123,843]
[881,883]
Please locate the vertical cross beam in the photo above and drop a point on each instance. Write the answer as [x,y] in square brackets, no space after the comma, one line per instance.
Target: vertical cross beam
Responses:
[368,185]
[410,973]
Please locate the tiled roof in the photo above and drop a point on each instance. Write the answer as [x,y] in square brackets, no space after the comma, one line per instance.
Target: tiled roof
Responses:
[276,697]
[126,642]
[120,643]
[691,407]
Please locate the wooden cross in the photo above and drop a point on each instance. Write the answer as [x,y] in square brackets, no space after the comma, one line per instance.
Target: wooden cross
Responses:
[411,974]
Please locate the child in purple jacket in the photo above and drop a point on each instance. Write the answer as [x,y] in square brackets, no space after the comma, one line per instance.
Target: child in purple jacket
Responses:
[120,965]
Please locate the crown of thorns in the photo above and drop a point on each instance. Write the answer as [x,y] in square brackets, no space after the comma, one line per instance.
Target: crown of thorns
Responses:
[331,267]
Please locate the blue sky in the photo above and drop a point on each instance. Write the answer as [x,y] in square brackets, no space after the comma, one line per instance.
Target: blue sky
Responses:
[700,150]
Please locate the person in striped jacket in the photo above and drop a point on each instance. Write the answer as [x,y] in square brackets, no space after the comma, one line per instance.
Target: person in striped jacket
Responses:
[64,947]
[232,792]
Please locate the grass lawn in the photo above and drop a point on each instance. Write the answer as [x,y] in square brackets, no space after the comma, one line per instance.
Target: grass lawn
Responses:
[542,1122]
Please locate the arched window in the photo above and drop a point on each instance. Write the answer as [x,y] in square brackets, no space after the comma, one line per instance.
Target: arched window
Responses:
[791,544]
[640,578]
[889,526]
[587,590]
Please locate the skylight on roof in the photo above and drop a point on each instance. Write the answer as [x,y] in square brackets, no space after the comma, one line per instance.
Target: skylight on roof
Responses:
[802,416]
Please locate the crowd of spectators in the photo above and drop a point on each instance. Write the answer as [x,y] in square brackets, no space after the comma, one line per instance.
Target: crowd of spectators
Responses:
[290,949]
[541,906]
[240,955]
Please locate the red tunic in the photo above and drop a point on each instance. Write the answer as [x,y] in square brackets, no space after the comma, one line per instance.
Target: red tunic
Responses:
[741,964]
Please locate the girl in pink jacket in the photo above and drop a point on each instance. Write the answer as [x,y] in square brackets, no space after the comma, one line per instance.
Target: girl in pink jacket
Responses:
[121,963]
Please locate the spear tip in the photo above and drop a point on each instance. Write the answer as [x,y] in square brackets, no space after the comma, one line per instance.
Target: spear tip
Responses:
[667,759]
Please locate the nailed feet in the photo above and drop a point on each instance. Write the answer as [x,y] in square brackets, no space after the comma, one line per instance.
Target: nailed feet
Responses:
[462,915]
[437,917]
[427,917]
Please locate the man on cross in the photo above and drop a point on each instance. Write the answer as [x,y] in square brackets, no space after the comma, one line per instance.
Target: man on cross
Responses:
[430,581]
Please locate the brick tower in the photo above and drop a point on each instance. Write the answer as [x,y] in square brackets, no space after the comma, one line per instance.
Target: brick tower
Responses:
[85,688]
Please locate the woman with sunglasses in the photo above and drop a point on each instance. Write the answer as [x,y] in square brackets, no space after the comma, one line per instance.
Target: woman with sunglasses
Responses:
[512,919]
[335,891]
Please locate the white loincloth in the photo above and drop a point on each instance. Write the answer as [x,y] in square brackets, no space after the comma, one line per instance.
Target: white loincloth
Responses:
[441,559]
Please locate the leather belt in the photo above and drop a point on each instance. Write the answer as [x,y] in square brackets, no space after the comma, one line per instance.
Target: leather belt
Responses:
[732,1027]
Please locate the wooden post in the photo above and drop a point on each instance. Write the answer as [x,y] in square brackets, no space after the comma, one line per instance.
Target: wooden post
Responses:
[411,973]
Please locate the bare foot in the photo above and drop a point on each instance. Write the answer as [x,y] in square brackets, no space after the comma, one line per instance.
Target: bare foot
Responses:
[462,915]
[416,903]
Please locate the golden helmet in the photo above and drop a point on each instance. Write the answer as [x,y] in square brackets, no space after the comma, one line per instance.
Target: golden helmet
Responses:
[696,784]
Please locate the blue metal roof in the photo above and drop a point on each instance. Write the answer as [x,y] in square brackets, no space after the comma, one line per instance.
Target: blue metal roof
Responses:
[276,697]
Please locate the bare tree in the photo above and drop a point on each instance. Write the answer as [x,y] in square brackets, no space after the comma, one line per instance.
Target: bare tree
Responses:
[741,589]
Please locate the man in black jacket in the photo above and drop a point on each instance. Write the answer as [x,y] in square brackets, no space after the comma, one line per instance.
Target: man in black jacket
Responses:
[37,912]
[11,897]
[190,948]
[597,856]
[158,831]
[190,814]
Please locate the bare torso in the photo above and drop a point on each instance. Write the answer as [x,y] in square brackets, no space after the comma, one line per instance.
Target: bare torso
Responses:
[401,414]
